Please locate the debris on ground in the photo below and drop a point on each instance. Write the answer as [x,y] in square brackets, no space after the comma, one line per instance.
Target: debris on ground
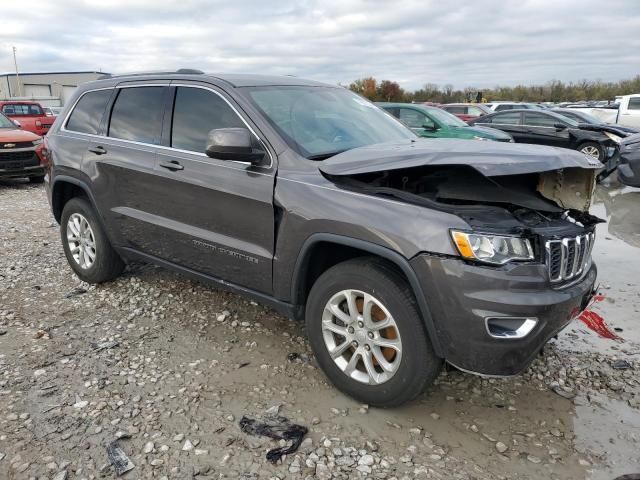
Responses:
[119,460]
[278,428]
[99,346]
[75,292]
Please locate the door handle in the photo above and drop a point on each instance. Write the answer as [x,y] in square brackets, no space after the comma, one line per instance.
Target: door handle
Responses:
[98,150]
[172,165]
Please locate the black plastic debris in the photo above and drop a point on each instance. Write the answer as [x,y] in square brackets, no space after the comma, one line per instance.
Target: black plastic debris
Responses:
[278,428]
[119,459]
[75,292]
[621,365]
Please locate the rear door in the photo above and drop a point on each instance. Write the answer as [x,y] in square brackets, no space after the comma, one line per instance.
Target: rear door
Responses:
[122,162]
[210,215]
[541,128]
[510,122]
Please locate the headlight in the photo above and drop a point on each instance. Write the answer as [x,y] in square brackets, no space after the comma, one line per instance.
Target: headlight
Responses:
[476,137]
[496,249]
[37,142]
[613,137]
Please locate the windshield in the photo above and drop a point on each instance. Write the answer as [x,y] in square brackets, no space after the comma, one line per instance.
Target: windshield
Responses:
[319,122]
[445,117]
[6,123]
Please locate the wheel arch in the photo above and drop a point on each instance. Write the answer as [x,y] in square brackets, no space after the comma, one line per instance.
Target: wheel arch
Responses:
[313,260]
[65,188]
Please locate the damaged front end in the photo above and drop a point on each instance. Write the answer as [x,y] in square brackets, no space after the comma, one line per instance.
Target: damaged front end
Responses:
[523,269]
[521,203]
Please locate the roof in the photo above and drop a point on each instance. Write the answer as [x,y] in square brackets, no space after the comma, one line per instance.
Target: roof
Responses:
[48,73]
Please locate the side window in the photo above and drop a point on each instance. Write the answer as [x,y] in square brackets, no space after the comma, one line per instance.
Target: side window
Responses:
[503,107]
[475,111]
[414,119]
[456,110]
[137,114]
[539,120]
[507,119]
[195,113]
[87,114]
[634,103]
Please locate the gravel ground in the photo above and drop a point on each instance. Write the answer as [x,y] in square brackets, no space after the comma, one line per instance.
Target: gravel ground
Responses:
[165,368]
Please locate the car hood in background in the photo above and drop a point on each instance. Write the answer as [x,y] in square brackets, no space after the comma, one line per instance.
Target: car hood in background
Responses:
[489,158]
[13,135]
[608,127]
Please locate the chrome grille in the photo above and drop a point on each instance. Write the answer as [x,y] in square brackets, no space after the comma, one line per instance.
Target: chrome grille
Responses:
[569,257]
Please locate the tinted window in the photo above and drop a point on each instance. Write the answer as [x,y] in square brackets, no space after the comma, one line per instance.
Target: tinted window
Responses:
[540,120]
[195,113]
[634,103]
[504,107]
[137,114]
[507,118]
[22,109]
[414,119]
[87,114]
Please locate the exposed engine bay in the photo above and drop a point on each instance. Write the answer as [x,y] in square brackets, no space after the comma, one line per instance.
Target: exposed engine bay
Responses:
[556,200]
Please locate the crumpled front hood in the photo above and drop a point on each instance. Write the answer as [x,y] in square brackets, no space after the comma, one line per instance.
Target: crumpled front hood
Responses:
[489,158]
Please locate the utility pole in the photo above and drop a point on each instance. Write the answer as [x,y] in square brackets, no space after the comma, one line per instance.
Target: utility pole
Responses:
[15,62]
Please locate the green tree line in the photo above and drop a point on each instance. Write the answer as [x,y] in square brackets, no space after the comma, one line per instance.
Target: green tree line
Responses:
[552,91]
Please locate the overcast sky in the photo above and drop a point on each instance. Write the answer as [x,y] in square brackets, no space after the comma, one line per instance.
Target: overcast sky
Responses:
[479,43]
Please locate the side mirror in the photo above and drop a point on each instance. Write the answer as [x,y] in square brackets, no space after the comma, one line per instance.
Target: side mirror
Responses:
[560,126]
[430,127]
[234,144]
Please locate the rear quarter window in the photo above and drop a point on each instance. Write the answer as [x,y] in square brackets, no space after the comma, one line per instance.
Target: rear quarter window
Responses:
[88,112]
[634,103]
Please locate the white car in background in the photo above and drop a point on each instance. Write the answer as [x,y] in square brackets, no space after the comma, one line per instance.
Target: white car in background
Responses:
[627,113]
[500,106]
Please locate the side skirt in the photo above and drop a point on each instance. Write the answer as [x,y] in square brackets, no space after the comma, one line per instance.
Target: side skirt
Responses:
[289,310]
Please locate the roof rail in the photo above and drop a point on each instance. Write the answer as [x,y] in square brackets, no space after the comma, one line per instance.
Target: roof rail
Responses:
[180,71]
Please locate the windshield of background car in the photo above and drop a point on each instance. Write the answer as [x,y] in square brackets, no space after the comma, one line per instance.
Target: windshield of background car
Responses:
[22,109]
[6,123]
[318,122]
[446,118]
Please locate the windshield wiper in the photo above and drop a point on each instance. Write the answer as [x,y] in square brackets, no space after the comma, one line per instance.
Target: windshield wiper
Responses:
[324,156]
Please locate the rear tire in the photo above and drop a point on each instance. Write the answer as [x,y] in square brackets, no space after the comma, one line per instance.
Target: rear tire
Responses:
[593,149]
[85,244]
[38,179]
[380,376]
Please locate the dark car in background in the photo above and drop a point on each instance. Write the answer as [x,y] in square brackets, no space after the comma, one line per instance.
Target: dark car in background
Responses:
[434,122]
[629,163]
[466,111]
[548,128]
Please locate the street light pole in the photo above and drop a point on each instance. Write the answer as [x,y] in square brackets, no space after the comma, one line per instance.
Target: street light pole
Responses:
[15,62]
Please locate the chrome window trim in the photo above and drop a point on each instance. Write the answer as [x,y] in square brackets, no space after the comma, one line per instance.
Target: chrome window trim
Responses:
[164,147]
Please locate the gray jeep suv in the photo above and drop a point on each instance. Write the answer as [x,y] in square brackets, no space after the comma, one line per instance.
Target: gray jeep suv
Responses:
[398,252]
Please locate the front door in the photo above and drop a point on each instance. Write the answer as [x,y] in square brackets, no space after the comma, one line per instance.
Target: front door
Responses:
[541,128]
[212,216]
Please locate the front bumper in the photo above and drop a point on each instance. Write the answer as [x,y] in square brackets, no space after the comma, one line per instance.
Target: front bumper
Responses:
[461,296]
[20,163]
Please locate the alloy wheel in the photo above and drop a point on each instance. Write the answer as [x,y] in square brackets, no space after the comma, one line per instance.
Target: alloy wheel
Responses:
[82,243]
[361,337]
[591,151]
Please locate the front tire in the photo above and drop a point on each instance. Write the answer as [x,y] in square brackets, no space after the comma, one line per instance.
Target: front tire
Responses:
[85,244]
[592,149]
[367,335]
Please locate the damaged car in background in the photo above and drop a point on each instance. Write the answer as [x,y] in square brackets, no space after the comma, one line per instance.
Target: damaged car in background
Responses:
[399,253]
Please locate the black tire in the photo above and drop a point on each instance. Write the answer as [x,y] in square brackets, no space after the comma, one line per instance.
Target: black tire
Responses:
[592,146]
[38,179]
[107,264]
[418,365]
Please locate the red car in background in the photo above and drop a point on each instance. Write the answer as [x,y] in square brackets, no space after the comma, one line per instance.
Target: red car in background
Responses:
[21,152]
[466,111]
[29,115]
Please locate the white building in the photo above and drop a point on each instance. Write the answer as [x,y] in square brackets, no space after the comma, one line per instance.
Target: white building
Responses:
[51,89]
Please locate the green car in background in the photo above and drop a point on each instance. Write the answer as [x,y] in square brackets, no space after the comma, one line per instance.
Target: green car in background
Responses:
[433,122]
